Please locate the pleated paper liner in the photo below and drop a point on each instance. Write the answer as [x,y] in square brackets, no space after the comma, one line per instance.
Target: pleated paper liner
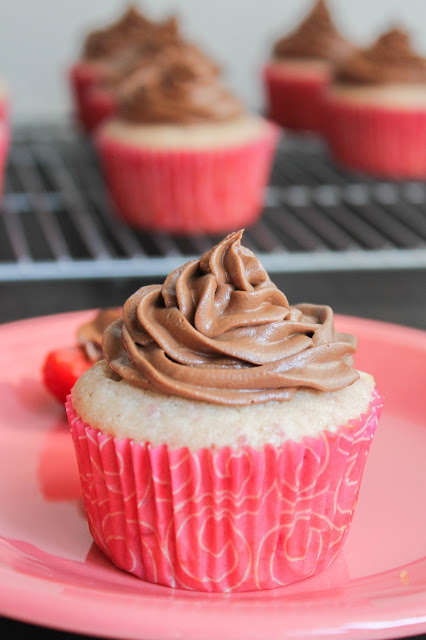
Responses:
[82,77]
[212,190]
[100,104]
[384,142]
[223,520]
[294,101]
[4,148]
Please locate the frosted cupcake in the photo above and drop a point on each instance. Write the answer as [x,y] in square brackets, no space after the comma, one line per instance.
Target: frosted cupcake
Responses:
[103,50]
[301,67]
[222,441]
[182,154]
[376,109]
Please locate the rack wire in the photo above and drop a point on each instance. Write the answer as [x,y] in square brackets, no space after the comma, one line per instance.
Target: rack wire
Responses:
[56,221]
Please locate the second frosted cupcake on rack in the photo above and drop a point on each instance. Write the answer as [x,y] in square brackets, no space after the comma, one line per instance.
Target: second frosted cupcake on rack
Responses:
[300,68]
[376,109]
[183,155]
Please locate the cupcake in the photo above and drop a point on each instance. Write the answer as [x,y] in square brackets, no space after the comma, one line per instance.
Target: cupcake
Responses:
[376,109]
[300,68]
[103,49]
[221,442]
[182,154]
[62,366]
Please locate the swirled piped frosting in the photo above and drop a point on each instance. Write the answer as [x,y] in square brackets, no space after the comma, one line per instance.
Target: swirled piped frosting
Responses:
[218,330]
[182,85]
[89,334]
[132,29]
[390,59]
[316,37]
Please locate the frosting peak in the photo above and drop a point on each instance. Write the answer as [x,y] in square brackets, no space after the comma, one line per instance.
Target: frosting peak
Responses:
[390,59]
[182,85]
[219,330]
[131,30]
[316,37]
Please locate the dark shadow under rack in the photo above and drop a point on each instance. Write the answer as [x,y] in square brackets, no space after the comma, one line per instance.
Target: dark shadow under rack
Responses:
[56,222]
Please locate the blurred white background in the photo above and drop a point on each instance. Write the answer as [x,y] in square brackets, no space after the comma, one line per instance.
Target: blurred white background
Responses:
[40,38]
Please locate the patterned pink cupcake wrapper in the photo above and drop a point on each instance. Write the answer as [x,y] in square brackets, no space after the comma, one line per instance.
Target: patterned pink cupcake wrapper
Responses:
[82,78]
[295,102]
[188,191]
[222,520]
[380,141]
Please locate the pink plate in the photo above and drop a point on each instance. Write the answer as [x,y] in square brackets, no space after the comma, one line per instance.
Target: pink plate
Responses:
[53,575]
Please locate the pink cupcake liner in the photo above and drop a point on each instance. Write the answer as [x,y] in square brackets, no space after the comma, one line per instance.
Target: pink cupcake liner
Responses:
[222,520]
[100,104]
[387,142]
[4,110]
[188,191]
[4,148]
[295,102]
[82,77]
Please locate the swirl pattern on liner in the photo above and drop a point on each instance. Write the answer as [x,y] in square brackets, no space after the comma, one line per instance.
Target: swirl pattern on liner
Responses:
[182,85]
[256,534]
[218,330]
[316,37]
[89,334]
[390,59]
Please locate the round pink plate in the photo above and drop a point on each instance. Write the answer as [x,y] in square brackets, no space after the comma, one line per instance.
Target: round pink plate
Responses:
[53,575]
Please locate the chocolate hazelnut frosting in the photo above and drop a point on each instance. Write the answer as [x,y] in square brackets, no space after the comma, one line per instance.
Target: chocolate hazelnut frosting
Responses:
[390,59]
[131,30]
[316,37]
[218,330]
[89,334]
[182,85]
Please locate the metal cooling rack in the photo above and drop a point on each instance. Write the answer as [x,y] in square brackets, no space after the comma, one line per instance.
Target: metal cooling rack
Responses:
[56,222]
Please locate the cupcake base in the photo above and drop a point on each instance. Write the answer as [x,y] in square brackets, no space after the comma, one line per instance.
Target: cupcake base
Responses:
[100,104]
[294,95]
[83,77]
[208,189]
[388,142]
[222,520]
[4,147]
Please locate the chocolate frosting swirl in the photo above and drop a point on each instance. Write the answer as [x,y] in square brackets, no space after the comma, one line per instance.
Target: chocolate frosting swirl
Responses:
[181,86]
[89,334]
[218,330]
[316,37]
[390,59]
[131,30]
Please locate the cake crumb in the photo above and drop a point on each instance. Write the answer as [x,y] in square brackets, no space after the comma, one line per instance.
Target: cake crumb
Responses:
[404,577]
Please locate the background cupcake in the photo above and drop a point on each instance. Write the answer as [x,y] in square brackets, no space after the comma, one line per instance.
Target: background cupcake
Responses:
[300,68]
[182,154]
[105,49]
[222,441]
[376,109]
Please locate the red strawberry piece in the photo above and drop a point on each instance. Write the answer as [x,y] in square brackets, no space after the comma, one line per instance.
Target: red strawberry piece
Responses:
[61,369]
